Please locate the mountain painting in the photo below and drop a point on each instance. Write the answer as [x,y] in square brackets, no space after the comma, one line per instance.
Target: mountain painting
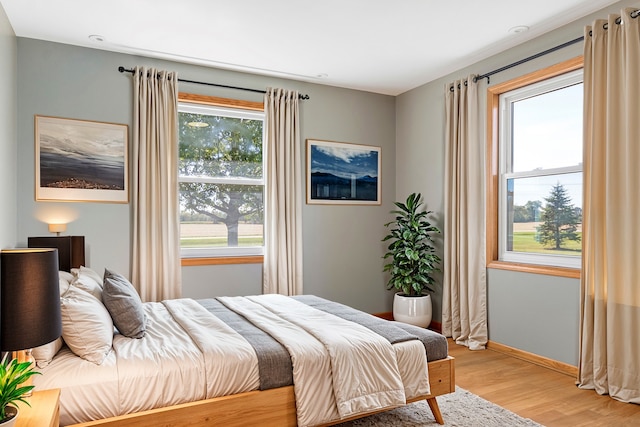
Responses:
[80,160]
[342,173]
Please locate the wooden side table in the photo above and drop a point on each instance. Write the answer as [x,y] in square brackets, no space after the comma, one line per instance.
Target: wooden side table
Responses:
[43,412]
[70,249]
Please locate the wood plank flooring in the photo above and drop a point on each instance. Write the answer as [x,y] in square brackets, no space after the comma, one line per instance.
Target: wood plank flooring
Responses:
[541,394]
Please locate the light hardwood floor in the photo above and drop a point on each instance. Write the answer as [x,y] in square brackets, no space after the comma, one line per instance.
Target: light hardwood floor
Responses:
[541,394]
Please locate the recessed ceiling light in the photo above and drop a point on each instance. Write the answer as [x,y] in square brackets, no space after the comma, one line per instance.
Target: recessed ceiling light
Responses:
[96,38]
[518,29]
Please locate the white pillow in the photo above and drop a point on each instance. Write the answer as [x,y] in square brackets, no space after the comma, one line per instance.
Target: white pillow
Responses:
[89,285]
[64,286]
[87,327]
[87,280]
[65,275]
[65,279]
[89,272]
[86,271]
[45,353]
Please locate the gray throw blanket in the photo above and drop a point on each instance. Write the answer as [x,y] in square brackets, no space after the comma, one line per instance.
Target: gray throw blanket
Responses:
[274,362]
[434,343]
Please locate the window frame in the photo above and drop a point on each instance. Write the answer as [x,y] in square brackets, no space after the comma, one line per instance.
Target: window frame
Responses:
[506,152]
[220,256]
[494,169]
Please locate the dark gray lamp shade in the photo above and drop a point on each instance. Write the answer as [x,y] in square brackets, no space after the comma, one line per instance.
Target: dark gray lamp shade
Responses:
[29,298]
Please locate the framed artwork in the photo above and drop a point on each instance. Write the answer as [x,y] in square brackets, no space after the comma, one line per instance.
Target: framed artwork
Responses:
[81,160]
[341,173]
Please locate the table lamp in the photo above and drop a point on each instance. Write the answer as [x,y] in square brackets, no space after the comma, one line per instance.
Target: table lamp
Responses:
[29,299]
[57,228]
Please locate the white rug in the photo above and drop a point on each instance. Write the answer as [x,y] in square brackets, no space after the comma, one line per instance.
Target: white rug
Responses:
[461,409]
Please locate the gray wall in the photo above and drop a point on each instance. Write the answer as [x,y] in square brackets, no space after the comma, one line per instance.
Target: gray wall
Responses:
[342,248]
[531,312]
[420,159]
[63,81]
[8,106]
[535,313]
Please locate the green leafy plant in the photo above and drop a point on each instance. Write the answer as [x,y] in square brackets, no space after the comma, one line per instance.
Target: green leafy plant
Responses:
[413,257]
[12,375]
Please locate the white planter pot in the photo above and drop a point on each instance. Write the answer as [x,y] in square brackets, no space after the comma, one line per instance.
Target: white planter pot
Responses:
[412,310]
[10,410]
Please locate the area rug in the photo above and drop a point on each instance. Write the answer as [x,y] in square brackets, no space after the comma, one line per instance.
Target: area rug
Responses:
[461,409]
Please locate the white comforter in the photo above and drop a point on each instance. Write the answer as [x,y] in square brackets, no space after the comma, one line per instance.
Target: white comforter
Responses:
[340,369]
[184,340]
[166,367]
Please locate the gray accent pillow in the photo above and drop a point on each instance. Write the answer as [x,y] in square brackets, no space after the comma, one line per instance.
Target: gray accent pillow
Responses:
[124,305]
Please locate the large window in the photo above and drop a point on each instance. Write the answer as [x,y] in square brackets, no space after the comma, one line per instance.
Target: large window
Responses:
[221,179]
[538,191]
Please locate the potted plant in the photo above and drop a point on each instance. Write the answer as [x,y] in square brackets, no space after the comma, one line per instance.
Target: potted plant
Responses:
[413,261]
[12,375]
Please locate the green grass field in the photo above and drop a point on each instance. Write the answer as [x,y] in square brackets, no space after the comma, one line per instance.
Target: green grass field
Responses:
[199,242]
[196,234]
[525,241]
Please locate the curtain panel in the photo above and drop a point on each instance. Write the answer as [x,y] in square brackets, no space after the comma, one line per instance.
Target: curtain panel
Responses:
[464,305]
[283,194]
[610,308]
[155,267]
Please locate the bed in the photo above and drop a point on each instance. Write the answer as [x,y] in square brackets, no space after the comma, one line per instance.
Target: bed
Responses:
[165,376]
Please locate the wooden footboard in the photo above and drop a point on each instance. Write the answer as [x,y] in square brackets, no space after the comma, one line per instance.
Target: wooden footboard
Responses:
[269,408]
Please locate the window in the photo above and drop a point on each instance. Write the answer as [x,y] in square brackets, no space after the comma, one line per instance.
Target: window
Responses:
[221,179]
[537,190]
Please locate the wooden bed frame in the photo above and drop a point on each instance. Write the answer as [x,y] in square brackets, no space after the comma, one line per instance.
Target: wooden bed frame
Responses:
[268,408]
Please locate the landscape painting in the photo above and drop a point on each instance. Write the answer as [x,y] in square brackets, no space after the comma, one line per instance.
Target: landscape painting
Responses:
[80,160]
[341,173]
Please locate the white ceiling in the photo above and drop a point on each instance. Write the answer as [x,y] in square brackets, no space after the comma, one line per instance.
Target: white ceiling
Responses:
[383,46]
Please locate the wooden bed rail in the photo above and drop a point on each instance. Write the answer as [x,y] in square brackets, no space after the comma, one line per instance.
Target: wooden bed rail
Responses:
[268,408]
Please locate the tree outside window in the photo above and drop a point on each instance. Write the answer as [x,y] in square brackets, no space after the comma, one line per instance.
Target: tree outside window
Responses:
[560,219]
[220,178]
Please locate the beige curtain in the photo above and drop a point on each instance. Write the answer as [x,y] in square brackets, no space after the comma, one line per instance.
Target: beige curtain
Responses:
[283,194]
[156,233]
[464,306]
[610,311]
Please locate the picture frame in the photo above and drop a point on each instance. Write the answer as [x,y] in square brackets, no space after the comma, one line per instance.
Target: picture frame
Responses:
[343,173]
[81,160]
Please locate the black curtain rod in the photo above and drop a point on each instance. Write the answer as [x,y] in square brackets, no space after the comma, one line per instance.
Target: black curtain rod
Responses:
[633,15]
[300,96]
[527,59]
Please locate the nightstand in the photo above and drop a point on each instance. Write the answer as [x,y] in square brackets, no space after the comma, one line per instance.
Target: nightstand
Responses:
[70,249]
[43,412]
